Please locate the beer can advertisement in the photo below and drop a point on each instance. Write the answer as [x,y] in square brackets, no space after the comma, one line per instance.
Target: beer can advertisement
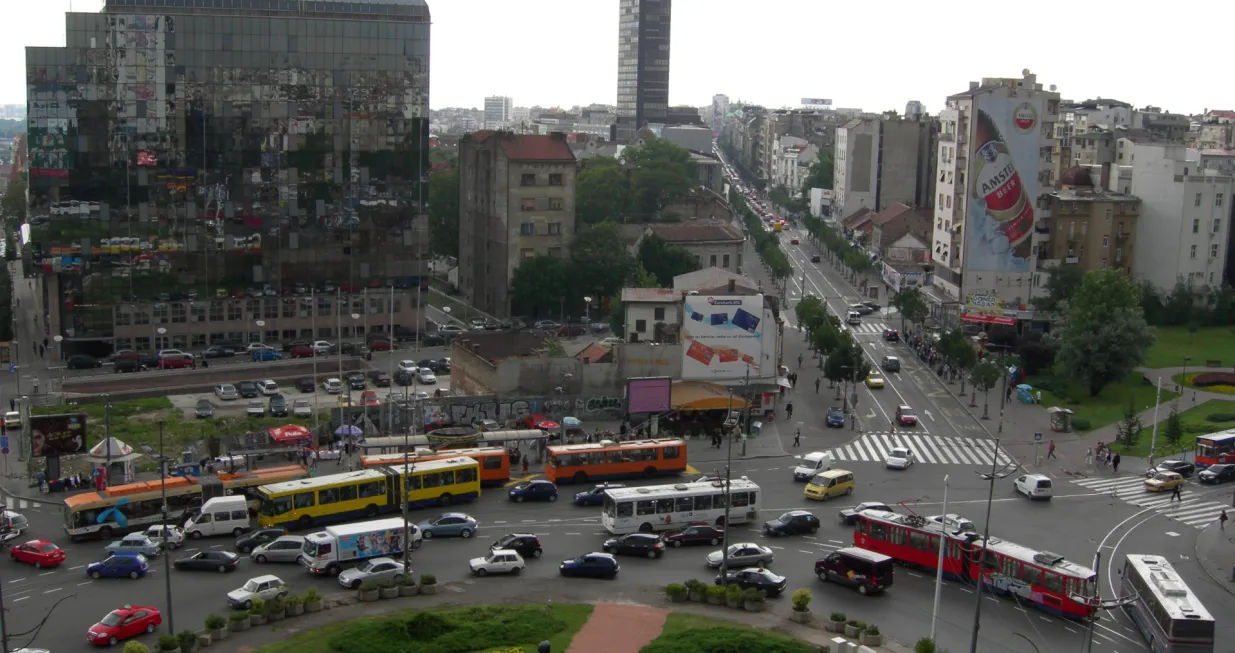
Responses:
[58,435]
[722,337]
[1003,184]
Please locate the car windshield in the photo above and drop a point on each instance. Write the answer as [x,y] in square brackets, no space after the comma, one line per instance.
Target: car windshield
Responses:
[48,548]
[523,486]
[787,517]
[734,548]
[818,480]
[367,567]
[907,412]
[491,556]
[251,586]
[1218,469]
[835,412]
[112,619]
[900,453]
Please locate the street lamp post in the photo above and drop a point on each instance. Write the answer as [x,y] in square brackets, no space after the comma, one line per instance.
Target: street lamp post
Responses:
[943,544]
[167,556]
[355,318]
[994,475]
[737,429]
[260,324]
[158,339]
[587,312]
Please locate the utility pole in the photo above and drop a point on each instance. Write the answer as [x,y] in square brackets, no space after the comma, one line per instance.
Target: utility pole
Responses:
[994,475]
[167,556]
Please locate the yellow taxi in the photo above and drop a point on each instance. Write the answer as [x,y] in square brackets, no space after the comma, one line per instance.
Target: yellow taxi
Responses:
[345,401]
[874,380]
[1163,481]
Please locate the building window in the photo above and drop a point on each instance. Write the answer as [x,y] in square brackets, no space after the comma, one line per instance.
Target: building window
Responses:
[1218,199]
[216,311]
[1192,252]
[123,318]
[1119,254]
[527,229]
[527,204]
[555,203]
[1196,225]
[949,201]
[527,252]
[199,340]
[1217,225]
[1197,201]
[1103,264]
[555,179]
[233,311]
[1105,240]
[658,314]
[641,326]
[555,252]
[528,180]
[142,343]
[725,261]
[713,261]
[1213,251]
[555,228]
[179,314]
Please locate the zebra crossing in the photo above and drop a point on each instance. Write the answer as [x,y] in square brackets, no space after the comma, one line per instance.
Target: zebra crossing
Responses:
[868,327]
[926,448]
[1195,510]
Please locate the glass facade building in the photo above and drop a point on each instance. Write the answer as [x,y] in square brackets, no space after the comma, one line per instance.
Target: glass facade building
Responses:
[643,65]
[201,159]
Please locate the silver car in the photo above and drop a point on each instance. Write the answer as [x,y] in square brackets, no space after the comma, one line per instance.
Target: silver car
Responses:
[376,570]
[283,549]
[226,391]
[742,554]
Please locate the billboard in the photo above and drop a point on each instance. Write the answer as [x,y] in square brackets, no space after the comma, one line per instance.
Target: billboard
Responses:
[816,102]
[1003,183]
[58,435]
[722,336]
[987,309]
[649,394]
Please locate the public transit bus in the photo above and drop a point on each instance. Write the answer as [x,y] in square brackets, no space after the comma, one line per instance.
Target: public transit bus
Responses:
[245,483]
[1040,578]
[1215,448]
[494,461]
[126,508]
[1168,614]
[609,460]
[367,493]
[668,507]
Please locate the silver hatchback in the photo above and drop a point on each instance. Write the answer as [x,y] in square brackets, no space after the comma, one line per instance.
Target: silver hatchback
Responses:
[283,549]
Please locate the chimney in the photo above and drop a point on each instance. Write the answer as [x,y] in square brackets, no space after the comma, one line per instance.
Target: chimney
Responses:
[973,85]
[733,286]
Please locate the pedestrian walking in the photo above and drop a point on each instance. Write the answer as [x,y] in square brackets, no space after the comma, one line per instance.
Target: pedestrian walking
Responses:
[789,409]
[1177,493]
[816,386]
[797,438]
[1037,399]
[1088,456]
[799,360]
[1115,464]
[1050,450]
[1008,392]
[1222,520]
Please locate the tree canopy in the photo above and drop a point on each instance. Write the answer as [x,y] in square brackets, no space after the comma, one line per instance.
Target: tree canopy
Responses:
[1105,335]
[444,213]
[912,306]
[1061,285]
[599,265]
[819,175]
[664,261]
[601,191]
[536,285]
[648,178]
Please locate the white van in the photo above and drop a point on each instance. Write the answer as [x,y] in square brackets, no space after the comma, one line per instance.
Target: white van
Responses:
[854,318]
[811,464]
[1034,486]
[220,516]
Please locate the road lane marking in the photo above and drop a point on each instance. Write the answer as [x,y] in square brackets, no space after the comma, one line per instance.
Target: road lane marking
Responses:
[47,573]
[19,580]
[85,583]
[77,567]
[574,533]
[21,599]
[53,590]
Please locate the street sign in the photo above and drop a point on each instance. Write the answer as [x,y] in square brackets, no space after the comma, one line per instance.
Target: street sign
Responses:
[4,441]
[1037,436]
[4,450]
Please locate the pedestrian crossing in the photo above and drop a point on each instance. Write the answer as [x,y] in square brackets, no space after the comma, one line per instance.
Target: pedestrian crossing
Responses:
[936,449]
[868,327]
[1196,509]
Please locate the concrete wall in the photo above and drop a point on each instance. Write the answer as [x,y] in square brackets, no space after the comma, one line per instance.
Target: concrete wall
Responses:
[161,383]
[470,374]
[900,144]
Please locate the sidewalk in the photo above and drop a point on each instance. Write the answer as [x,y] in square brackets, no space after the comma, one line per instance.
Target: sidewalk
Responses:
[1215,550]
[618,628]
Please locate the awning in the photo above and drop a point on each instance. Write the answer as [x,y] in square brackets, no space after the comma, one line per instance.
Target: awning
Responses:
[112,450]
[289,433]
[701,395]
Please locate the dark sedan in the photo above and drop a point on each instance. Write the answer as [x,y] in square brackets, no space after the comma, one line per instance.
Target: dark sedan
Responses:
[83,362]
[356,381]
[305,384]
[1215,474]
[836,418]
[760,579]
[218,352]
[220,561]
[1181,467]
[794,522]
[591,565]
[247,389]
[249,541]
[648,545]
[695,534]
[596,495]
[439,366]
[849,516]
[380,379]
[537,490]
[814,258]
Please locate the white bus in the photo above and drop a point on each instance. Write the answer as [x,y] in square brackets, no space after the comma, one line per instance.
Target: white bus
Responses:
[667,507]
[1168,614]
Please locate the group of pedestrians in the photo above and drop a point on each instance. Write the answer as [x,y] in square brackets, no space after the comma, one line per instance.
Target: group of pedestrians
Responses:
[1104,458]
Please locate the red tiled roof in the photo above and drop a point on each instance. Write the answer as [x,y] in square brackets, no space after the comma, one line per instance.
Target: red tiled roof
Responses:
[595,353]
[695,233]
[532,147]
[859,217]
[893,212]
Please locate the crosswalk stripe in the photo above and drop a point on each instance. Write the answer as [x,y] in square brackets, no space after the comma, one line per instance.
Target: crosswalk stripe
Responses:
[919,449]
[959,450]
[881,442]
[1194,510]
[876,453]
[946,448]
[857,446]
[987,449]
[928,449]
[1107,483]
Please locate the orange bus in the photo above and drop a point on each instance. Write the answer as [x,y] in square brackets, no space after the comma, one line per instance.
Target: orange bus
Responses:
[580,463]
[494,461]
[245,483]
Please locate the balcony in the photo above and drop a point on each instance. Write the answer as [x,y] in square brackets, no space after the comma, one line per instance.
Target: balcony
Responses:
[1121,236]
[1042,227]
[947,137]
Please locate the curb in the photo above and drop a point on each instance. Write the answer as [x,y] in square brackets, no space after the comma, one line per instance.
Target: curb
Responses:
[15,495]
[1224,584]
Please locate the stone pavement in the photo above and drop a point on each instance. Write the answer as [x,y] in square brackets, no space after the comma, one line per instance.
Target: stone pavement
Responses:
[1215,550]
[618,628]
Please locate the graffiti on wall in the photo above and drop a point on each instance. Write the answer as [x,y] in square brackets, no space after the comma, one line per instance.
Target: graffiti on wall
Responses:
[465,410]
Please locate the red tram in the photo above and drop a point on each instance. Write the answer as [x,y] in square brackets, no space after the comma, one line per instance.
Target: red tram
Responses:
[1039,577]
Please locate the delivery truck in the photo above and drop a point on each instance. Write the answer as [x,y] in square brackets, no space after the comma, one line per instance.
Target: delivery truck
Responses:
[330,551]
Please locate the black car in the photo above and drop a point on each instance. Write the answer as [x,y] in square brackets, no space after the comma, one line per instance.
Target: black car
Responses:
[220,561]
[355,380]
[404,334]
[528,546]
[814,258]
[83,362]
[636,544]
[380,379]
[794,522]
[591,565]
[874,306]
[596,495]
[535,490]
[247,389]
[432,340]
[249,541]
[1215,474]
[278,406]
[439,366]
[760,579]
[695,534]
[353,349]
[218,351]
[403,377]
[849,516]
[305,384]
[1181,467]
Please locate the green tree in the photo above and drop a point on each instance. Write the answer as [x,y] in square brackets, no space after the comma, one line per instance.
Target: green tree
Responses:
[14,203]
[1173,429]
[958,353]
[986,375]
[663,173]
[6,304]
[912,306]
[537,285]
[1178,306]
[599,265]
[847,362]
[1061,284]
[665,261]
[1105,335]
[444,213]
[1128,429]
[811,312]
[601,192]
[819,175]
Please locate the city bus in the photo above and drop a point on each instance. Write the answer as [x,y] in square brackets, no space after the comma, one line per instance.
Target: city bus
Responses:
[608,460]
[245,483]
[367,493]
[1040,578]
[1215,448]
[1168,614]
[668,507]
[126,508]
[494,461]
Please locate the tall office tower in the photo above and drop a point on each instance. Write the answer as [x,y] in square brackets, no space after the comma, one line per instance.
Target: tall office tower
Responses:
[643,65]
[499,110]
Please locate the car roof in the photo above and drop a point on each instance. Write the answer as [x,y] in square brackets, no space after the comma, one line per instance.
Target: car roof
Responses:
[266,578]
[382,559]
[904,407]
[505,551]
[455,514]
[798,512]
[517,535]
[598,554]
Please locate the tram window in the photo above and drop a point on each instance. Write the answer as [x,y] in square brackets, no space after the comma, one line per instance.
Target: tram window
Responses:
[303,500]
[991,562]
[1010,567]
[918,540]
[347,493]
[491,462]
[1031,575]
[934,544]
[898,536]
[740,499]
[1053,582]
[877,531]
[646,507]
[670,453]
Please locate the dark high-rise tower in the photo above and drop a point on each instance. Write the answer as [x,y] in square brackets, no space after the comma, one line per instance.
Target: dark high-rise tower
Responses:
[643,64]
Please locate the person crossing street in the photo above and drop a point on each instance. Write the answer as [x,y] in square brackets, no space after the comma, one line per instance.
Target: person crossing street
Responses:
[797,438]
[1177,493]
[817,386]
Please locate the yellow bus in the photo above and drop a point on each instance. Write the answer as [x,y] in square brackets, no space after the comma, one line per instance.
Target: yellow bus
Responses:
[245,483]
[368,493]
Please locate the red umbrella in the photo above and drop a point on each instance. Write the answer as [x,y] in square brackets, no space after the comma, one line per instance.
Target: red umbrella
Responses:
[289,433]
[547,425]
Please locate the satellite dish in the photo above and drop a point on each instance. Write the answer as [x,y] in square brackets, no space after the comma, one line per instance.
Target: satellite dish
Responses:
[1025,72]
[1052,87]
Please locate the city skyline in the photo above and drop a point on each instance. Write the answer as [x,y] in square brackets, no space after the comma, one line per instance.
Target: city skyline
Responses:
[709,57]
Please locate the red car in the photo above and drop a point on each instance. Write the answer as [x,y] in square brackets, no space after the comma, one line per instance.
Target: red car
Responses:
[175,362]
[123,623]
[369,398]
[39,553]
[696,533]
[905,416]
[302,351]
[380,345]
[530,421]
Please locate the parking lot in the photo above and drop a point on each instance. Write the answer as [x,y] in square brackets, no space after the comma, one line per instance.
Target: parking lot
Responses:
[321,400]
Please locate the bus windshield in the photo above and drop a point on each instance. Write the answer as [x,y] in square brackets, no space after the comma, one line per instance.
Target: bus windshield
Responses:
[553,461]
[275,507]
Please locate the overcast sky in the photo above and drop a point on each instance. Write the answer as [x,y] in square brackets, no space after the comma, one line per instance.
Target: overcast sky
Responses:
[776,52]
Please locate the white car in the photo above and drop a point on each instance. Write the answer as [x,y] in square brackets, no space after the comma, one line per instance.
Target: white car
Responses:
[255,408]
[302,408]
[266,588]
[811,464]
[322,348]
[254,346]
[173,353]
[426,376]
[899,458]
[955,523]
[226,391]
[1034,486]
[409,366]
[376,570]
[12,419]
[268,388]
[498,561]
[332,386]
[174,539]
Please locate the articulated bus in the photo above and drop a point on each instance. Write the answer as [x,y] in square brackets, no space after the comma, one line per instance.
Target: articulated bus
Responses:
[608,460]
[666,507]
[494,461]
[245,483]
[1166,611]
[1215,448]
[367,493]
[1038,577]
[94,514]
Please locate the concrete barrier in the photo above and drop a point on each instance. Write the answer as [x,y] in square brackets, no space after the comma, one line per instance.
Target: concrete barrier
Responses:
[160,383]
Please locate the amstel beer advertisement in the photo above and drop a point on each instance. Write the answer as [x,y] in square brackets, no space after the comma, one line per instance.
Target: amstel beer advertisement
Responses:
[1003,178]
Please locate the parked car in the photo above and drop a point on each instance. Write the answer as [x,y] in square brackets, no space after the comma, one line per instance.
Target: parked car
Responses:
[695,533]
[425,376]
[450,524]
[374,570]
[263,355]
[119,565]
[594,496]
[175,361]
[82,362]
[381,345]
[226,391]
[525,544]
[849,516]
[249,541]
[292,345]
[220,561]
[217,351]
[590,565]
[323,348]
[355,380]
[305,384]
[247,389]
[301,351]
[648,545]
[794,522]
[266,588]
[1181,467]
[255,408]
[278,406]
[535,490]
[498,561]
[38,553]
[302,408]
[204,409]
[756,578]
[268,387]
[332,386]
[1215,474]
[285,548]
[483,425]
[742,554]
[380,379]
[403,377]
[134,543]
[121,624]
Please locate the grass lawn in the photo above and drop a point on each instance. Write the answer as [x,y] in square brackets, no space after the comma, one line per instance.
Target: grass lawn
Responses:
[1175,343]
[1195,425]
[368,634]
[1107,408]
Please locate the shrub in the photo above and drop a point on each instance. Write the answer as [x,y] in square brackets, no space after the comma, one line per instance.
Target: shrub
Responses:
[695,585]
[1080,424]
[852,622]
[167,643]
[924,645]
[752,595]
[696,640]
[1221,417]
[428,579]
[239,615]
[259,607]
[456,631]
[215,622]
[311,596]
[368,586]
[675,590]
[838,616]
[294,600]
[135,647]
[871,630]
[801,599]
[715,591]
[187,639]
[733,592]
[279,603]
